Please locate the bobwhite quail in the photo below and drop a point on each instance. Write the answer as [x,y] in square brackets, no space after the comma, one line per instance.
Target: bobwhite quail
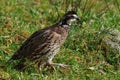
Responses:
[43,45]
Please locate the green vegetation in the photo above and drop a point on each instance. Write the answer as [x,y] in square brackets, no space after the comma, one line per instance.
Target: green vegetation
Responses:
[82,49]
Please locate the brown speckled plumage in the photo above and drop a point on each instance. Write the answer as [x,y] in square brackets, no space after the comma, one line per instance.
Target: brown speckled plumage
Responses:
[43,45]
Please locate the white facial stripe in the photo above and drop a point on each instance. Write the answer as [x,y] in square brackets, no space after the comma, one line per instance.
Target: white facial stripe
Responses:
[72,20]
[75,15]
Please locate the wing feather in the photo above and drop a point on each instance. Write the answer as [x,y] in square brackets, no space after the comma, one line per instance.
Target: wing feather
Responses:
[31,44]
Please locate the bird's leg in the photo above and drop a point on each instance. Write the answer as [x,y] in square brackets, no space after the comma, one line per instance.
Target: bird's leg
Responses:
[58,64]
[41,66]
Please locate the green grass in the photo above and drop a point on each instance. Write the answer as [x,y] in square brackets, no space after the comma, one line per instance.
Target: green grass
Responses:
[82,49]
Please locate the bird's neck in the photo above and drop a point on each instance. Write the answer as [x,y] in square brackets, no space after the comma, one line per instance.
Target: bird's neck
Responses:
[64,22]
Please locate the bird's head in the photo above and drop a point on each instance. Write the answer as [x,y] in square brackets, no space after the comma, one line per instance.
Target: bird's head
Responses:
[69,17]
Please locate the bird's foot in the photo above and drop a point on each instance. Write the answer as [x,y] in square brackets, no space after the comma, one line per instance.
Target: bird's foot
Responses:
[41,66]
[63,65]
[60,65]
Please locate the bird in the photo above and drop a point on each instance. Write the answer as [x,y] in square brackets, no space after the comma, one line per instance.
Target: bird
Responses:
[41,47]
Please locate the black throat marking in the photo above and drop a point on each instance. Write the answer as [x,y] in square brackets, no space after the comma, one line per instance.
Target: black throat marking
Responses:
[64,25]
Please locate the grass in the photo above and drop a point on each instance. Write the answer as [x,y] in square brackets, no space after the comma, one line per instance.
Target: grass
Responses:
[82,49]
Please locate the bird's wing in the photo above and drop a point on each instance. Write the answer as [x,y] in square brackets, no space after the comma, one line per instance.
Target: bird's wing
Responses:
[41,42]
[35,40]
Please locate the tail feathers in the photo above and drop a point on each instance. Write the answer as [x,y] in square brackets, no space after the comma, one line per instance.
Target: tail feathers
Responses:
[20,66]
[10,62]
[16,64]
[14,59]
